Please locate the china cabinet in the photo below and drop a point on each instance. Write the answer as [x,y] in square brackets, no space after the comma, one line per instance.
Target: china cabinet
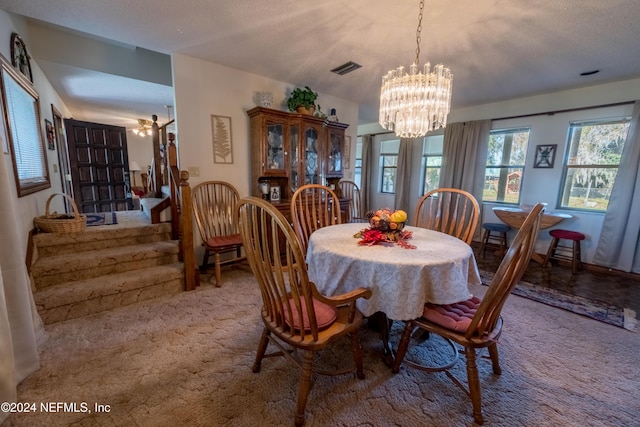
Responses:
[289,150]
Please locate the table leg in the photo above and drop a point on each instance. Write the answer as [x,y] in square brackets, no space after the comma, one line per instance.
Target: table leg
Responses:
[381,323]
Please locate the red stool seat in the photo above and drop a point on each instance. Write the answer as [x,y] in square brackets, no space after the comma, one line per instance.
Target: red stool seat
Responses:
[563,252]
[567,234]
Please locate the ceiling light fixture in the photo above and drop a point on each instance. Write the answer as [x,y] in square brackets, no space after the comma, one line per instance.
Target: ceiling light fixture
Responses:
[411,104]
[144,128]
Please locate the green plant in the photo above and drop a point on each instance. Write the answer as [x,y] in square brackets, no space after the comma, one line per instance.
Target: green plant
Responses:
[305,97]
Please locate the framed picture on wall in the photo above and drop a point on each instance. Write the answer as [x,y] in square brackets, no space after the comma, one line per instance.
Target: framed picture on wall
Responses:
[545,156]
[51,135]
[222,142]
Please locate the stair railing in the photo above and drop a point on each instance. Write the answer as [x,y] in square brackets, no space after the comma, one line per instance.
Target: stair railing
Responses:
[179,200]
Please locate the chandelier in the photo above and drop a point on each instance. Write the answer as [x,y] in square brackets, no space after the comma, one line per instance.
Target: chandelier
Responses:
[144,128]
[413,103]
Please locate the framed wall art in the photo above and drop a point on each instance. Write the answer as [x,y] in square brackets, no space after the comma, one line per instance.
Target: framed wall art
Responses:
[20,58]
[222,142]
[545,156]
[51,135]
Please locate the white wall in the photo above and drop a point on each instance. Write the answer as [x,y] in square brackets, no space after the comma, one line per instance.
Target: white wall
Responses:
[203,88]
[538,185]
[140,149]
[32,205]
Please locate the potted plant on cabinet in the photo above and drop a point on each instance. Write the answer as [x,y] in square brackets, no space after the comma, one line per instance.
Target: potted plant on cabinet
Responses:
[302,100]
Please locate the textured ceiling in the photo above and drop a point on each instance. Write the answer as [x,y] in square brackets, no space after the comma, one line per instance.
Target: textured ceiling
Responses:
[496,49]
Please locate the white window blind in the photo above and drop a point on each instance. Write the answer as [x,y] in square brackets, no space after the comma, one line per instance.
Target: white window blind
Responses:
[24,132]
[28,149]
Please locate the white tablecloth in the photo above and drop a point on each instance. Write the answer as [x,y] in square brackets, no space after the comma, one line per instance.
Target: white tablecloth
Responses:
[401,280]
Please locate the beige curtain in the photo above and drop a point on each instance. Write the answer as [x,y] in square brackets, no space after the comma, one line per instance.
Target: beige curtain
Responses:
[403,175]
[20,324]
[464,156]
[619,244]
[367,146]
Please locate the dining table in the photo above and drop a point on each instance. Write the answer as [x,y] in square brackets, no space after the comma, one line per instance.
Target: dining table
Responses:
[437,269]
[515,217]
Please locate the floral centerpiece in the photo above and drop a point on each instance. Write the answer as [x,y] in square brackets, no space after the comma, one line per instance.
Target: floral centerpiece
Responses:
[385,227]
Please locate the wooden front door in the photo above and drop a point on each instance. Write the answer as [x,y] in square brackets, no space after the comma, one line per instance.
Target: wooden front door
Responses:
[99,166]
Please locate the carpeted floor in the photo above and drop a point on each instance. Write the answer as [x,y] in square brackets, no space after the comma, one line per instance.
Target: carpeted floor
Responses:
[186,360]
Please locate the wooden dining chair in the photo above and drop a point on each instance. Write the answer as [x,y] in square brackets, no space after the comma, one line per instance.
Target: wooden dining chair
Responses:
[475,323]
[214,207]
[295,315]
[349,190]
[313,206]
[449,210]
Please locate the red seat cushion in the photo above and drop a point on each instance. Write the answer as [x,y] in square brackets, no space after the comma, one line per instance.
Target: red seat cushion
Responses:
[456,316]
[567,234]
[325,314]
[223,241]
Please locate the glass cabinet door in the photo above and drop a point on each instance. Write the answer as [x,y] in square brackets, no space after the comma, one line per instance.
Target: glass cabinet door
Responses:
[294,177]
[335,154]
[275,147]
[312,168]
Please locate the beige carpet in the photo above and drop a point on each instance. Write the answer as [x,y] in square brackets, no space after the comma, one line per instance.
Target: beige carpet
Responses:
[186,361]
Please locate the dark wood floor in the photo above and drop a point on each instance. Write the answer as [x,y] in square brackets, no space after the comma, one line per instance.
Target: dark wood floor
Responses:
[619,289]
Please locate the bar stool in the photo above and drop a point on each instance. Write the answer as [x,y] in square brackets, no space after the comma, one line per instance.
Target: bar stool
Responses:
[499,240]
[567,253]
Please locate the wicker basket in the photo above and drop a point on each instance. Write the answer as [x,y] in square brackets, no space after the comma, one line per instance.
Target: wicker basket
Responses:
[61,223]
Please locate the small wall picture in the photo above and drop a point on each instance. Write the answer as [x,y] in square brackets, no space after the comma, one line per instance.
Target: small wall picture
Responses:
[274,196]
[545,156]
[222,142]
[51,135]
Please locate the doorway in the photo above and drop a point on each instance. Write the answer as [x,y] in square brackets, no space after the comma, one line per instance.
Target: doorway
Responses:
[99,166]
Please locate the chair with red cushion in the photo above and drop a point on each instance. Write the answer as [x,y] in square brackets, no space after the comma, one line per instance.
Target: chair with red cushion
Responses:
[214,207]
[475,323]
[563,252]
[295,315]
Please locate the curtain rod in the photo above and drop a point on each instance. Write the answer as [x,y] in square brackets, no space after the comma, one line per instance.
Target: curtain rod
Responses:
[378,133]
[546,113]
[568,110]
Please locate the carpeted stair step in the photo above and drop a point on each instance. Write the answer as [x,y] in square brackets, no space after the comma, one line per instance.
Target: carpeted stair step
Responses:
[56,269]
[84,297]
[94,238]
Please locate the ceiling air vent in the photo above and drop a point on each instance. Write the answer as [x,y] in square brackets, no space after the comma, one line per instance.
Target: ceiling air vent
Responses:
[346,68]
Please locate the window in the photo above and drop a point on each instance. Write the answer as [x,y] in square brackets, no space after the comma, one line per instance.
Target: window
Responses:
[591,165]
[431,162]
[388,165]
[505,165]
[24,133]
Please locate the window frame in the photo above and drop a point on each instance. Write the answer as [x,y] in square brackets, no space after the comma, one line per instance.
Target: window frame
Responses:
[383,157]
[425,157]
[566,166]
[506,166]
[42,181]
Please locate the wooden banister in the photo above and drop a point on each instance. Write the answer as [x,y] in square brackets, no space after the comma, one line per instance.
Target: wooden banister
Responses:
[165,171]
